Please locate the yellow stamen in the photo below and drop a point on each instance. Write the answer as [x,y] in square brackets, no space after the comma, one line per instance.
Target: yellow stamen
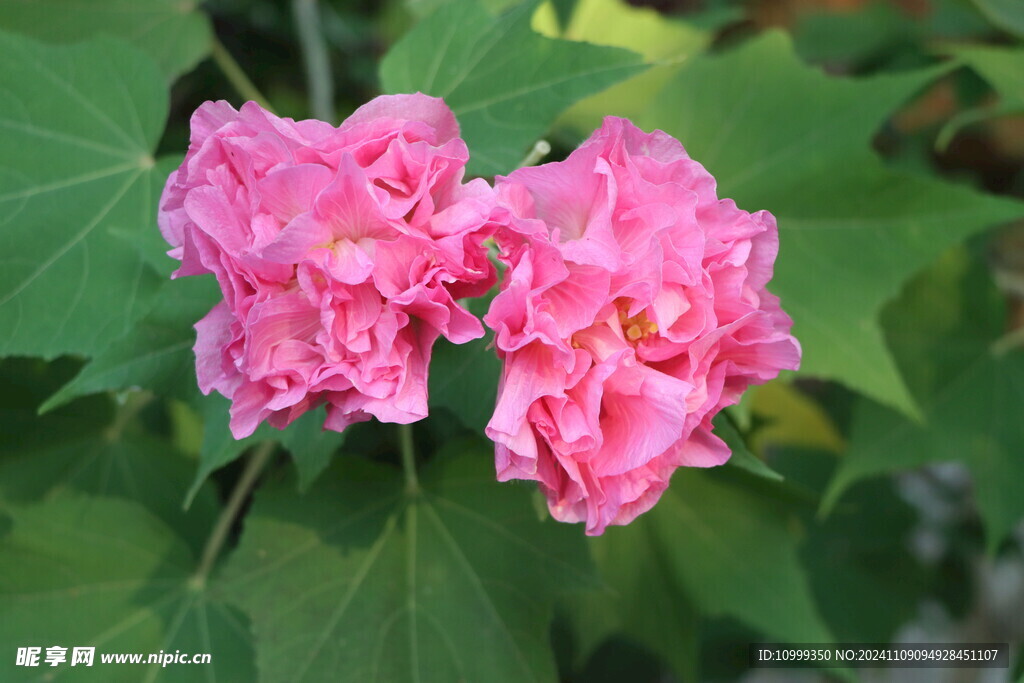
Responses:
[635,328]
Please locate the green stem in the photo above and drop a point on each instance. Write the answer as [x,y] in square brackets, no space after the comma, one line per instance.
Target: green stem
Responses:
[219,535]
[233,72]
[316,59]
[412,483]
[540,149]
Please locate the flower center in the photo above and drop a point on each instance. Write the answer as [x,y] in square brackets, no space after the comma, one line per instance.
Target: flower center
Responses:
[636,328]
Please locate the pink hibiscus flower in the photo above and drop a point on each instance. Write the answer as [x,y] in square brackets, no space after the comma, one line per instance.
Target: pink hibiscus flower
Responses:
[633,309]
[340,253]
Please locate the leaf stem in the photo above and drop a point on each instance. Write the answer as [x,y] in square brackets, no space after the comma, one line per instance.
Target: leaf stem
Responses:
[316,59]
[260,458]
[236,76]
[412,482]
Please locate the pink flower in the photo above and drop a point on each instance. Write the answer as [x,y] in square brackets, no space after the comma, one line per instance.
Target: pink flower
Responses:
[340,253]
[633,310]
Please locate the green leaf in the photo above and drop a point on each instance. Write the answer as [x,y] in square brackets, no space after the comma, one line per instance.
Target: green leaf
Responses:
[133,467]
[104,573]
[663,42]
[362,579]
[711,546]
[27,382]
[781,136]
[942,330]
[311,446]
[825,36]
[1006,14]
[77,128]
[505,83]
[642,600]
[734,554]
[866,580]
[464,377]
[173,32]
[563,10]
[1000,66]
[741,457]
[780,414]
[156,354]
[85,447]
[150,244]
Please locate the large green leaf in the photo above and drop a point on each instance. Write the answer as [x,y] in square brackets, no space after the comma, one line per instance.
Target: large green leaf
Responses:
[733,552]
[110,569]
[27,382]
[364,580]
[505,83]
[662,41]
[77,129]
[173,32]
[860,556]
[942,330]
[87,447]
[712,546]
[879,35]
[156,354]
[874,32]
[131,466]
[781,136]
[104,573]
[642,601]
[1006,14]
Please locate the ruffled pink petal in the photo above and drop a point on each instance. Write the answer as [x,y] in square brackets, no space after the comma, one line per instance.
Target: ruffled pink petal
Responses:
[287,192]
[431,111]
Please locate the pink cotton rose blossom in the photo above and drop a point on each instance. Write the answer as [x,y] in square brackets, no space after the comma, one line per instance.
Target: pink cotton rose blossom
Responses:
[633,310]
[340,253]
